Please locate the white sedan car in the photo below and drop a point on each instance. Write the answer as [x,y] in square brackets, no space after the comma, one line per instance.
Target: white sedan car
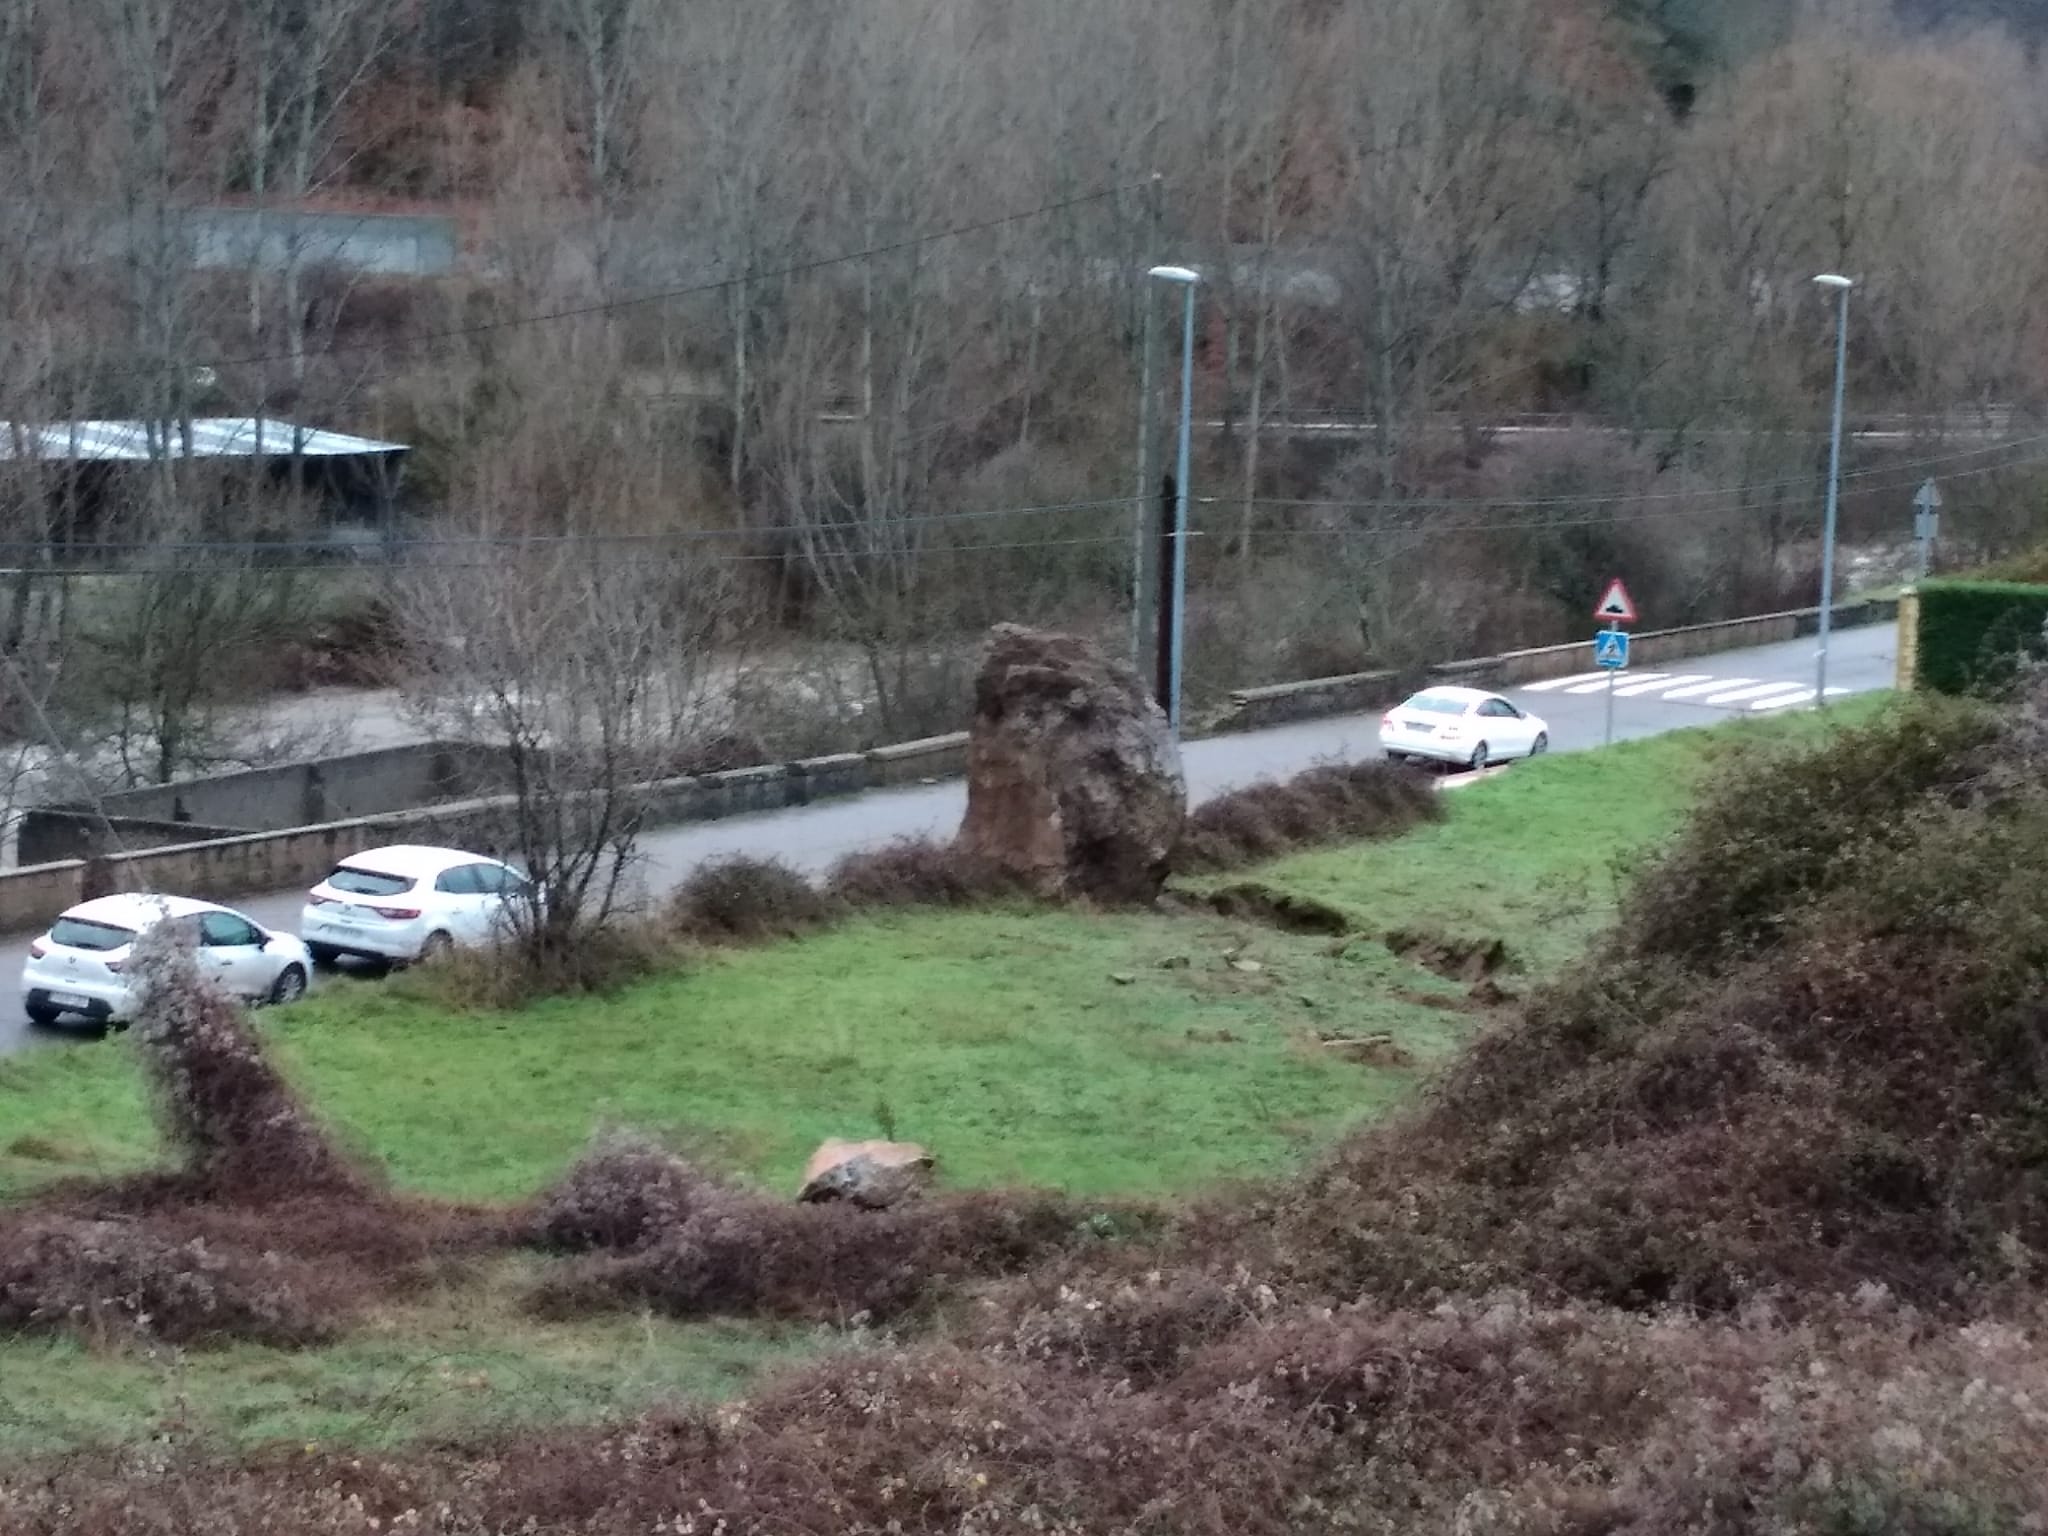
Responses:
[80,966]
[1461,725]
[405,903]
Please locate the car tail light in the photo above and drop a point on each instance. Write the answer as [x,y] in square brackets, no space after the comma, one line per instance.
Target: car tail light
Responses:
[397,914]
[315,899]
[116,966]
[38,949]
[1386,720]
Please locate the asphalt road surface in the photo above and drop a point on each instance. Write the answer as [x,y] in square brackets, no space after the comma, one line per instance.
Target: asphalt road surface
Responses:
[1767,679]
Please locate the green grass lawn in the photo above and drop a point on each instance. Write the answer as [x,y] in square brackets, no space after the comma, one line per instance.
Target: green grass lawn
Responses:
[1142,1055]
[1097,1054]
[459,1361]
[1537,856]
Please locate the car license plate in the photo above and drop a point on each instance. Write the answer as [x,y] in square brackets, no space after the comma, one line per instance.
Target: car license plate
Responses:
[69,1000]
[1421,730]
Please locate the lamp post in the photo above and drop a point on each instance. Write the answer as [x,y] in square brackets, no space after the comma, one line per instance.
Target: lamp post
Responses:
[1841,285]
[1189,280]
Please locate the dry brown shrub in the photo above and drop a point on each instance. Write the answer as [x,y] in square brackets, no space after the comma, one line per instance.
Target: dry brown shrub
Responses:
[743,900]
[241,1130]
[599,960]
[1488,1415]
[922,873]
[1336,803]
[106,1279]
[740,1254]
[627,1190]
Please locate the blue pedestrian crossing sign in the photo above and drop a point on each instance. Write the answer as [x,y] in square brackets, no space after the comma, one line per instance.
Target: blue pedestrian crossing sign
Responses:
[1610,649]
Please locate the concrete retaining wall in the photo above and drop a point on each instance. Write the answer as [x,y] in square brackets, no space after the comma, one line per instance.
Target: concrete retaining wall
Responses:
[277,860]
[319,789]
[49,836]
[1360,692]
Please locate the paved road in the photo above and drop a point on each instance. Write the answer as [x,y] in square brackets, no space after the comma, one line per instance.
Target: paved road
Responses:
[1767,679]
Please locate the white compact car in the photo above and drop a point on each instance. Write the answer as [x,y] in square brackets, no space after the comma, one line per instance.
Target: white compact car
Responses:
[405,903]
[79,966]
[1461,725]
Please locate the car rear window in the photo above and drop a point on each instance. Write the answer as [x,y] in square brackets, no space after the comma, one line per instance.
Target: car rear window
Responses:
[367,882]
[1432,706]
[77,933]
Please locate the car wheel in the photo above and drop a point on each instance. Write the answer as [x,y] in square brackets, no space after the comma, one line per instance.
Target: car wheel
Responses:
[1540,745]
[438,946]
[289,987]
[1479,757]
[323,955]
[42,1013]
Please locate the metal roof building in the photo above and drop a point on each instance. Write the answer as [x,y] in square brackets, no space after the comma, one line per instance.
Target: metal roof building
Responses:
[212,437]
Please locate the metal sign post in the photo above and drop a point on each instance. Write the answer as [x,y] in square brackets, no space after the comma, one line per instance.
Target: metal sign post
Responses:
[1610,645]
[1610,654]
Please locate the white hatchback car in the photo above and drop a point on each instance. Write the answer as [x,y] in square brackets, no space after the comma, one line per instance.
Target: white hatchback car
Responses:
[1461,725]
[407,903]
[79,966]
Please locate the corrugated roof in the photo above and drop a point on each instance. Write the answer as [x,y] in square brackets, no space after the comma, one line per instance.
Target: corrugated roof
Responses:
[213,437]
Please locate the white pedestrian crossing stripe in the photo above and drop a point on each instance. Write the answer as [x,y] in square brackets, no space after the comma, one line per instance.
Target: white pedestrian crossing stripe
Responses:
[1552,684]
[1749,691]
[1803,696]
[1712,685]
[1601,686]
[1662,682]
[1746,693]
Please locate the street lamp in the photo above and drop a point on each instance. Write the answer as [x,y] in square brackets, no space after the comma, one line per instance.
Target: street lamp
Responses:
[1841,285]
[1189,279]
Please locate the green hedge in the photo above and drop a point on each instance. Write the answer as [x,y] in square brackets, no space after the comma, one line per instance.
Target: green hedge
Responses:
[1973,633]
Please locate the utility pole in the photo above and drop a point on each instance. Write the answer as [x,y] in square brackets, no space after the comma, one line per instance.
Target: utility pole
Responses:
[1175,629]
[1148,520]
[1840,286]
[1926,526]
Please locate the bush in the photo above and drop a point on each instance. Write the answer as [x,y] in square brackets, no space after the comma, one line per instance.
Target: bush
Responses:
[1144,1328]
[1324,805]
[1775,830]
[917,872]
[743,900]
[624,1192]
[1973,634]
[241,1130]
[597,960]
[1811,1058]
[740,1254]
[112,1278]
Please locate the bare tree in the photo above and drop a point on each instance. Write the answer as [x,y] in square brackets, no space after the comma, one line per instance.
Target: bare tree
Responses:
[306,62]
[583,670]
[1450,182]
[728,90]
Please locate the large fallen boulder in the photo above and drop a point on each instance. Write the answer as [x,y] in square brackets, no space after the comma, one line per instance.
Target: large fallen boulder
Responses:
[873,1175]
[1073,780]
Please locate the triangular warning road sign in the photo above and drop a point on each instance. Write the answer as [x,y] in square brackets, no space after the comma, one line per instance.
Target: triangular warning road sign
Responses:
[1615,604]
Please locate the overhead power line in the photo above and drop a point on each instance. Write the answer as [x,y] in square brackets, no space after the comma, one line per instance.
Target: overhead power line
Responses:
[1620,507]
[1629,498]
